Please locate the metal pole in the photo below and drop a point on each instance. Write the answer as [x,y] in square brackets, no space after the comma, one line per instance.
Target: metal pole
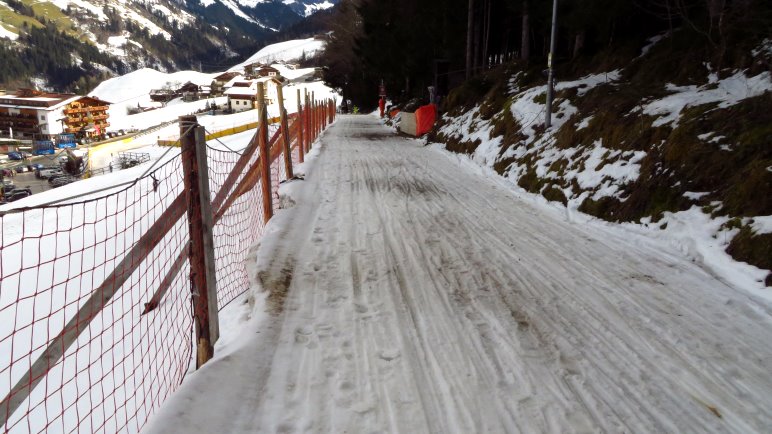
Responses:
[550,90]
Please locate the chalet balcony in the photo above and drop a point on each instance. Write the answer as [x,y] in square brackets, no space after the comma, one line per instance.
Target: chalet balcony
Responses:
[19,119]
[93,109]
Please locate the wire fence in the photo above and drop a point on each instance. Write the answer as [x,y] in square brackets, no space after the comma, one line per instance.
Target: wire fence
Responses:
[96,319]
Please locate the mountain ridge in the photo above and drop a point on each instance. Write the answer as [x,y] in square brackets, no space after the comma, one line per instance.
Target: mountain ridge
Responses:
[166,35]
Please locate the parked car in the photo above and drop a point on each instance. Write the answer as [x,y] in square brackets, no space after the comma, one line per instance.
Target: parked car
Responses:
[48,172]
[13,155]
[56,176]
[62,180]
[18,193]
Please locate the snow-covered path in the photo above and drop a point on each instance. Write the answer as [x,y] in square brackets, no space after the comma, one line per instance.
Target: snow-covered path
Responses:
[421,297]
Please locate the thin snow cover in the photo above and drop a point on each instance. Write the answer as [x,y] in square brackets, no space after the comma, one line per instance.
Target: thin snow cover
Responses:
[134,88]
[234,6]
[422,295]
[125,10]
[180,16]
[118,41]
[764,49]
[8,33]
[651,42]
[151,27]
[596,180]
[726,92]
[607,180]
[704,240]
[695,195]
[250,3]
[529,112]
[316,7]
[94,8]
[762,224]
[117,44]
[287,51]
[584,123]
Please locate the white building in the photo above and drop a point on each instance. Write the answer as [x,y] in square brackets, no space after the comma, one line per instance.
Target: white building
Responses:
[242,93]
[29,113]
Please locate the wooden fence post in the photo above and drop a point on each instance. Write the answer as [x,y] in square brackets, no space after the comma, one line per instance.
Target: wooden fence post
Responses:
[315,110]
[265,158]
[200,223]
[309,134]
[300,119]
[285,133]
[325,113]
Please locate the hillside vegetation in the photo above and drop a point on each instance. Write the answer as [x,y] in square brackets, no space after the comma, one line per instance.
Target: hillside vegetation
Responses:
[663,110]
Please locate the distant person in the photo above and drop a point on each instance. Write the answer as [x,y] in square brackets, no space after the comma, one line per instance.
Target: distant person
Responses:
[382,105]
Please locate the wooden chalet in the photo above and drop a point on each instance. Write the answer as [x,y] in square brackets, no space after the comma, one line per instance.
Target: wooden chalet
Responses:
[86,115]
[219,82]
[30,113]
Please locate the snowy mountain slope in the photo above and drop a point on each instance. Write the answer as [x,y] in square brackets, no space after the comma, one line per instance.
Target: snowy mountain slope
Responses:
[133,89]
[162,34]
[288,51]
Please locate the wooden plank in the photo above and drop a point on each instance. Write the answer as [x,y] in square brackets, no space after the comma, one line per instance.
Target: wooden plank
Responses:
[265,166]
[284,128]
[198,277]
[207,226]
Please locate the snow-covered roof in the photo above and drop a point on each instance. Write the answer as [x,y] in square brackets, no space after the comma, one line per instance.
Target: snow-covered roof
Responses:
[47,102]
[242,90]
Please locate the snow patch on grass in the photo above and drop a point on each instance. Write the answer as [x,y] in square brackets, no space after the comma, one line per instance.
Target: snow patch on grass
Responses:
[596,171]
[726,92]
[9,34]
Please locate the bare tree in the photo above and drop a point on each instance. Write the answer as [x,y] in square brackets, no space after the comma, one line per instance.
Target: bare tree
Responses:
[525,44]
[469,37]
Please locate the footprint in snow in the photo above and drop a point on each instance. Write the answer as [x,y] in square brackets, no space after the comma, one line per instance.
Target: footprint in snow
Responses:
[389,354]
[303,334]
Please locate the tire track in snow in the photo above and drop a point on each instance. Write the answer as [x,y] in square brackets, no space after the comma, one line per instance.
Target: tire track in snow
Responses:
[429,299]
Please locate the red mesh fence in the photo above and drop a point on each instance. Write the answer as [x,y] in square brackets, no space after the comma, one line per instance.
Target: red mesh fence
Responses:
[96,322]
[238,228]
[122,364]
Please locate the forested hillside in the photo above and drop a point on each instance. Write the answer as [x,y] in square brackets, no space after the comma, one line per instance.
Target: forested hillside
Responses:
[662,109]
[97,40]
[410,45]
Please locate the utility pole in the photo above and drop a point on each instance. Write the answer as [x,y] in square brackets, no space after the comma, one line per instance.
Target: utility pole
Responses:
[550,90]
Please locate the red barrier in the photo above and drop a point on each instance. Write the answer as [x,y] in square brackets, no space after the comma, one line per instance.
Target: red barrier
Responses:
[424,119]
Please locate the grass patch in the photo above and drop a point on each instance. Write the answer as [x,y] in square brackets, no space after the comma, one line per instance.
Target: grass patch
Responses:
[755,249]
[554,194]
[13,19]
